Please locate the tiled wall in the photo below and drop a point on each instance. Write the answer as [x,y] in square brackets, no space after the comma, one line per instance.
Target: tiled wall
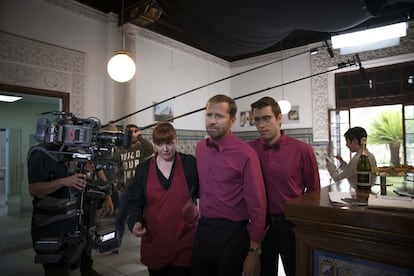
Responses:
[188,139]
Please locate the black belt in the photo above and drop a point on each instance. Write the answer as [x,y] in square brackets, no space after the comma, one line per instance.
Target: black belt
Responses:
[275,218]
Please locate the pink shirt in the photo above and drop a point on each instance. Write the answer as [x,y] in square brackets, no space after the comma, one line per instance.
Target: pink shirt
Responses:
[289,170]
[231,184]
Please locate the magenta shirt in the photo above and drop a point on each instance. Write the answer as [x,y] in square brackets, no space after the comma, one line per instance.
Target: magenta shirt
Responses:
[289,170]
[231,184]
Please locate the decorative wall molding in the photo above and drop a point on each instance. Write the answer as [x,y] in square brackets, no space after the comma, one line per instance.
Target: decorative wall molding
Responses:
[30,63]
[84,10]
[188,139]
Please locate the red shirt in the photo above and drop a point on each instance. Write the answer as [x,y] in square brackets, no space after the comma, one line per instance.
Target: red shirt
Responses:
[289,170]
[231,184]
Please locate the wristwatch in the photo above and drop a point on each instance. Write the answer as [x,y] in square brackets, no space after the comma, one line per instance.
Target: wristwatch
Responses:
[255,250]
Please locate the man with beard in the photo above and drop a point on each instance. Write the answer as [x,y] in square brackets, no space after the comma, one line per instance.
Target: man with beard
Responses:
[232,198]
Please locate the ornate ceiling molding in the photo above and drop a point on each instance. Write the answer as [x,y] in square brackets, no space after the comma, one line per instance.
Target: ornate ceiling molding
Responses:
[168,42]
[84,10]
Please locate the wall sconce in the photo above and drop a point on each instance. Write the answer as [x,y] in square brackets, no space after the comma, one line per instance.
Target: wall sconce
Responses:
[370,39]
[121,67]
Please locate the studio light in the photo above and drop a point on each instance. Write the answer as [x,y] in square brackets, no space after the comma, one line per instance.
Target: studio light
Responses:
[121,67]
[370,39]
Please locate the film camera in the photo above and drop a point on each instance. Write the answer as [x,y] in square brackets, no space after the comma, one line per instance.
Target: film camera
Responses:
[69,130]
[80,142]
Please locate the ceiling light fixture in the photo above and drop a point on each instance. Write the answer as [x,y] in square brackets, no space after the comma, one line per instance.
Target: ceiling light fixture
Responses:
[9,99]
[121,67]
[285,105]
[370,39]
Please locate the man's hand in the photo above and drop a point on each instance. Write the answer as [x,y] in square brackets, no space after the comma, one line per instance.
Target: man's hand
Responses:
[251,265]
[77,181]
[109,205]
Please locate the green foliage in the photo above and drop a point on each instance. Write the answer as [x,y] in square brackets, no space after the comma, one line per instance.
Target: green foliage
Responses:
[386,129]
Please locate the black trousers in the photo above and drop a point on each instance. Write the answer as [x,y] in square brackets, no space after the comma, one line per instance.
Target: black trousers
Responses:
[171,270]
[220,247]
[279,240]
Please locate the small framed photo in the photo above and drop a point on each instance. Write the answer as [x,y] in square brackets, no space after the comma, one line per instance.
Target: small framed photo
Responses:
[293,116]
[163,112]
[246,119]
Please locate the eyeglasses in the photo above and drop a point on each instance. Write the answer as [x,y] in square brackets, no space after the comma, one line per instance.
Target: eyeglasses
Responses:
[265,119]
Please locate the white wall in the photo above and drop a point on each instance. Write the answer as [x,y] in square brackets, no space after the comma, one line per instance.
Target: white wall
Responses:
[165,72]
[165,68]
[297,93]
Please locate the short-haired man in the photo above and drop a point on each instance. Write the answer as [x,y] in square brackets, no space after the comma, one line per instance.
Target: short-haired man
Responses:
[232,198]
[289,170]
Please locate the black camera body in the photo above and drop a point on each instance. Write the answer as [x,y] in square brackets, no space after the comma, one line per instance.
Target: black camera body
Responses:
[81,142]
[70,131]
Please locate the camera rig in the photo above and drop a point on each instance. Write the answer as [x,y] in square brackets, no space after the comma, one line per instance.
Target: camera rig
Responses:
[81,142]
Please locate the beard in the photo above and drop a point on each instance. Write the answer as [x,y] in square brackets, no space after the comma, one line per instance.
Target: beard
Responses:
[215,133]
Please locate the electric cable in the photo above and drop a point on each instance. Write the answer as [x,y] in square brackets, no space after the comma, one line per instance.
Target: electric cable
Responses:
[208,84]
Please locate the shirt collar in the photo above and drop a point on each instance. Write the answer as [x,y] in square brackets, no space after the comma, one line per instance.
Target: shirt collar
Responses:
[276,145]
[218,145]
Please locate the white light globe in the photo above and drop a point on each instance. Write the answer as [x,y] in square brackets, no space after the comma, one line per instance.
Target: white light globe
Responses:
[284,106]
[121,67]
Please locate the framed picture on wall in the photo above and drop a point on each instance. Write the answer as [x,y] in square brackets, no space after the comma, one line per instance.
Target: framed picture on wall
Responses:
[293,116]
[246,119]
[163,111]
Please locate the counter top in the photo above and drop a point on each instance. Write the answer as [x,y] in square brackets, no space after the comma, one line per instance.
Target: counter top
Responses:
[358,232]
[317,206]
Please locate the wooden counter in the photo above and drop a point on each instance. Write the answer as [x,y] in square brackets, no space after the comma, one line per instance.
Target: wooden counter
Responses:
[354,233]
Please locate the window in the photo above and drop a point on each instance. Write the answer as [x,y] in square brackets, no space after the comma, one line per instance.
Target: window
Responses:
[384,88]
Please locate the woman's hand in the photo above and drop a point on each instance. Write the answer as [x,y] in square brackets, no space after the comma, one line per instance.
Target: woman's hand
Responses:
[139,230]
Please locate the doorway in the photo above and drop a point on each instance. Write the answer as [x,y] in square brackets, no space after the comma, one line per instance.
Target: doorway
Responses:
[2,170]
[17,134]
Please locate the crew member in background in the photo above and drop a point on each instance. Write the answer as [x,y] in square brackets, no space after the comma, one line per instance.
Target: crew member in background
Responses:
[140,150]
[289,169]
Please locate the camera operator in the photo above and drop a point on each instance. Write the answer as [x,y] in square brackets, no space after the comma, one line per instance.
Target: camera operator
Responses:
[51,184]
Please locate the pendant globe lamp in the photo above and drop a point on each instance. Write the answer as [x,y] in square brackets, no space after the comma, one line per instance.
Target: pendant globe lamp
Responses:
[121,67]
[285,105]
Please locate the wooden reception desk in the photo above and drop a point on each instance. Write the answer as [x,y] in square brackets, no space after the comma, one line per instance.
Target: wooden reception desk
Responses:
[333,240]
